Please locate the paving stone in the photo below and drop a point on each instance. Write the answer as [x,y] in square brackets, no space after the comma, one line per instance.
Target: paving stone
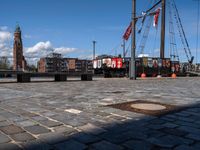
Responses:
[168,119]
[92,129]
[5,123]
[169,141]
[194,136]
[136,134]
[37,129]
[73,111]
[104,145]
[48,114]
[9,146]
[138,145]
[2,118]
[16,119]
[38,118]
[196,145]
[184,147]
[183,123]
[50,123]
[155,126]
[53,138]
[190,129]
[4,138]
[22,137]
[85,138]
[169,125]
[154,133]
[29,114]
[26,123]
[70,145]
[116,138]
[186,119]
[183,114]
[11,129]
[36,145]
[64,129]
[175,131]
[8,115]
[157,121]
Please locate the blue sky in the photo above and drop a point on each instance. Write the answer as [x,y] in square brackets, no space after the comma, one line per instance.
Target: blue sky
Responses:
[70,26]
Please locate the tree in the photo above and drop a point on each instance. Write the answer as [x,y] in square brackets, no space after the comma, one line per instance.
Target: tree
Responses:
[4,63]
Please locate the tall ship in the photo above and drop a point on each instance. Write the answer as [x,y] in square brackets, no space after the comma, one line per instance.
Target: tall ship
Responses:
[154,18]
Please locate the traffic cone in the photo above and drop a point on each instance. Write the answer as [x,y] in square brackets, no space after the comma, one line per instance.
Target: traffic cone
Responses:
[159,76]
[173,75]
[143,75]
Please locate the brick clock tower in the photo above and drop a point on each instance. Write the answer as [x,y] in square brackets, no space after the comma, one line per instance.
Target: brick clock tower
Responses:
[19,62]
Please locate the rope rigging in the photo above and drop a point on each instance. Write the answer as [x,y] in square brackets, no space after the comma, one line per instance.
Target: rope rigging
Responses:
[182,33]
[172,40]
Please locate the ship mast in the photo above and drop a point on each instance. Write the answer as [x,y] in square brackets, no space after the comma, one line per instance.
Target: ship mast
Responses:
[132,69]
[162,42]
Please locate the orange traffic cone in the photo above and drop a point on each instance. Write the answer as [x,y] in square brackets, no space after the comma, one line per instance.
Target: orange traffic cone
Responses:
[173,75]
[143,75]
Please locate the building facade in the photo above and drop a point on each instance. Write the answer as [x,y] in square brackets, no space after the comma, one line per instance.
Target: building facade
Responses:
[52,63]
[55,63]
[19,62]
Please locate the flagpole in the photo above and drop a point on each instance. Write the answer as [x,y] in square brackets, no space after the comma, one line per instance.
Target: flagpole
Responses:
[132,70]
[162,42]
[94,47]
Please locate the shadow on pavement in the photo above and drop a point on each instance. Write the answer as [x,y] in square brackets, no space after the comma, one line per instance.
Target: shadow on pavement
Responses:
[179,131]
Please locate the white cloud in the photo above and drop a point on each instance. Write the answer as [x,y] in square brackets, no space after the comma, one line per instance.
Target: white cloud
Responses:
[5,36]
[40,47]
[64,50]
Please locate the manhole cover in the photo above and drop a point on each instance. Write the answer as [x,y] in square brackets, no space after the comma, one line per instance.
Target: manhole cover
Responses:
[146,106]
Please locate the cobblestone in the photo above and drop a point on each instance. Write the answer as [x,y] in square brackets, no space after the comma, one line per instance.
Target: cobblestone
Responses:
[137,145]
[105,145]
[22,137]
[36,129]
[70,145]
[11,129]
[4,138]
[9,146]
[74,115]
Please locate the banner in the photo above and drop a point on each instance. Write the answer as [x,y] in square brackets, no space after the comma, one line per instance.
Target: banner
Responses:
[155,63]
[156,16]
[145,62]
[128,32]
[150,62]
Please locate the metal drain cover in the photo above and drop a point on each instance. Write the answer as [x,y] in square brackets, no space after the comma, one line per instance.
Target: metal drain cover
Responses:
[146,106]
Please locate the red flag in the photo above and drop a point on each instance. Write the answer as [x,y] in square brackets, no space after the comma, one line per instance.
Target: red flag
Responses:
[128,32]
[157,13]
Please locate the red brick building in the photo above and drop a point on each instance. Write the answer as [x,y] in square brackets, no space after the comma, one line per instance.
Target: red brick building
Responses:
[55,63]
[52,63]
[19,62]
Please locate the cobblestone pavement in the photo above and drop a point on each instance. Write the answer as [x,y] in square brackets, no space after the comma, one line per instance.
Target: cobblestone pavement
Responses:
[73,115]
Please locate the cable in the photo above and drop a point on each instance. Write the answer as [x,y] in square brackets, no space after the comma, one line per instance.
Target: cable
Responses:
[197,40]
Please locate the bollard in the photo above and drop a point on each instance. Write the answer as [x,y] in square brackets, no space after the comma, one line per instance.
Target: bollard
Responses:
[86,77]
[23,77]
[60,77]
